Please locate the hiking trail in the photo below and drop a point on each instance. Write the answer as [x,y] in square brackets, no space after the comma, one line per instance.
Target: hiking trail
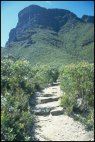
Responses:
[51,122]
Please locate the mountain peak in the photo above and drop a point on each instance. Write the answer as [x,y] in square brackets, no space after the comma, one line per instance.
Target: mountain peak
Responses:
[34,16]
[30,9]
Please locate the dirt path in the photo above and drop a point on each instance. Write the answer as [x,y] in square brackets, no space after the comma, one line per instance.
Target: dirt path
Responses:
[52,124]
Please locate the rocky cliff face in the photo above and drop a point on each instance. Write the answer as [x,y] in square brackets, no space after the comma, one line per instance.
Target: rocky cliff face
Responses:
[88,19]
[36,16]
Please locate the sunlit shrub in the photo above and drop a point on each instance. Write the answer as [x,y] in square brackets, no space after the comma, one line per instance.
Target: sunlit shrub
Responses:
[77,81]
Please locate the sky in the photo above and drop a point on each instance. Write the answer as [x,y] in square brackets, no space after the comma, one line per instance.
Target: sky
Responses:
[10,10]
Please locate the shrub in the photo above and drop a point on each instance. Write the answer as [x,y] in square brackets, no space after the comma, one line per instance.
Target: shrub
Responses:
[45,75]
[15,117]
[17,86]
[77,83]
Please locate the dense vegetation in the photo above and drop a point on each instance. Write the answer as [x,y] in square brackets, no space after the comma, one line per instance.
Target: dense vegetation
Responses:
[16,119]
[19,81]
[77,81]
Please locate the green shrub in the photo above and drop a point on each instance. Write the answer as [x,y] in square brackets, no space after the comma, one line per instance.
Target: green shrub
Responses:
[16,118]
[17,86]
[68,102]
[44,75]
[77,81]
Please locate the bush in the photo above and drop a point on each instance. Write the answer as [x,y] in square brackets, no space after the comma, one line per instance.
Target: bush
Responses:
[16,119]
[44,75]
[77,83]
[67,102]
[17,86]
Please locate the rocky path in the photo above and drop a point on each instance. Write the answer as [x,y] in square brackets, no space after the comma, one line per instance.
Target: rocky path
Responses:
[52,124]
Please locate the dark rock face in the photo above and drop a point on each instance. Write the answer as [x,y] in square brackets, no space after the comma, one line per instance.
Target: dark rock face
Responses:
[36,16]
[88,19]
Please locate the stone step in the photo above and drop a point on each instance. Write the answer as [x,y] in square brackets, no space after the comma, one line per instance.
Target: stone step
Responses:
[51,105]
[39,94]
[41,111]
[55,83]
[48,95]
[57,111]
[54,88]
[47,99]
[46,111]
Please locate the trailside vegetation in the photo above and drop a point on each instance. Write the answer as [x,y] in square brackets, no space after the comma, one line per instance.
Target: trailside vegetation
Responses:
[77,82]
[19,81]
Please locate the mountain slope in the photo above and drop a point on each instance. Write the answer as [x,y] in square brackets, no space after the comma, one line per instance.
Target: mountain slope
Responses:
[54,36]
